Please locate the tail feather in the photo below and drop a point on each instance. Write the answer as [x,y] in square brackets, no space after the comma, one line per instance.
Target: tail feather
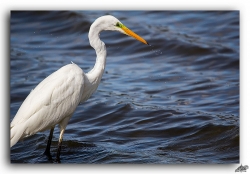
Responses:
[16,134]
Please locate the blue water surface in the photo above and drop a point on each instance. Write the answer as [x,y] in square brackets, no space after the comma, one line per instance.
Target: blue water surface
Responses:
[176,101]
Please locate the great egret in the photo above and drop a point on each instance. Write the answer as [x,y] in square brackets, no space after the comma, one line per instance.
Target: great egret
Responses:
[55,99]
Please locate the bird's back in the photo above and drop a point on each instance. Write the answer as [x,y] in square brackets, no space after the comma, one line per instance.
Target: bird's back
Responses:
[53,99]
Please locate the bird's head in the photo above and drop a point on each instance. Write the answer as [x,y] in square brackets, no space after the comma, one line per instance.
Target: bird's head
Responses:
[109,22]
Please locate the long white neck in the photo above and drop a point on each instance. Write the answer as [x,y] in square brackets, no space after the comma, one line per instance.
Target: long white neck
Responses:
[96,73]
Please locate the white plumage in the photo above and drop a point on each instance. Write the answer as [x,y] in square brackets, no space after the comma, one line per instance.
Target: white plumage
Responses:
[50,103]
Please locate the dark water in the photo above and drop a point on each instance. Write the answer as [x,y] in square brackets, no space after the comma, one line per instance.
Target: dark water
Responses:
[176,101]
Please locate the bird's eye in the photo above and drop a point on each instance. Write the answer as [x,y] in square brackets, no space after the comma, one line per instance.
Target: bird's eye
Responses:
[118,24]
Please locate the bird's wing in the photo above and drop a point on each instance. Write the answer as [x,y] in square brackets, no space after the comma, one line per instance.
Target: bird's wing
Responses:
[53,98]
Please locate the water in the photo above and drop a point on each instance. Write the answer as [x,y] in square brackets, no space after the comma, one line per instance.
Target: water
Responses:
[176,101]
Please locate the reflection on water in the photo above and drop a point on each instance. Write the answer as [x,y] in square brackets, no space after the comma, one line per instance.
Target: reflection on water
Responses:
[176,101]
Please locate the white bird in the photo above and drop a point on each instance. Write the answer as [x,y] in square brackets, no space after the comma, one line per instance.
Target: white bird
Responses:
[54,100]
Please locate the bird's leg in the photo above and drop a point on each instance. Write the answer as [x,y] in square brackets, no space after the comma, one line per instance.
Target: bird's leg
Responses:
[47,151]
[62,125]
[59,146]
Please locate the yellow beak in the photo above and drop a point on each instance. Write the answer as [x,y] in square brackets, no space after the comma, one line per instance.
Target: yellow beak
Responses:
[134,35]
